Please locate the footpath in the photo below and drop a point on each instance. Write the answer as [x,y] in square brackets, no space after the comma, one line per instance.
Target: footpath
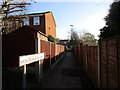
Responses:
[67,74]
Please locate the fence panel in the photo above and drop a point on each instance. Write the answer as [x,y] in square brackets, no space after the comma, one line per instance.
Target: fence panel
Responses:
[56,51]
[84,56]
[118,57]
[112,64]
[109,63]
[45,49]
[110,79]
[80,54]
[88,57]
[58,46]
[103,65]
[14,48]
[88,61]
[52,53]
[96,64]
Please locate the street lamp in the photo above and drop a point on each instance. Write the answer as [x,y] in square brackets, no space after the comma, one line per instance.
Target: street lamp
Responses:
[71,30]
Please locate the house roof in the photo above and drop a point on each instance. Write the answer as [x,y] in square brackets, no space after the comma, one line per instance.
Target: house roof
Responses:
[36,14]
[42,13]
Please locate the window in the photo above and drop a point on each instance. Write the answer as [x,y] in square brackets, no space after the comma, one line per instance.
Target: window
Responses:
[10,24]
[26,21]
[0,23]
[20,24]
[36,20]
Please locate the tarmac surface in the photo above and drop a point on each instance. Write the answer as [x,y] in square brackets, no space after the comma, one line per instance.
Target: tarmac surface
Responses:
[67,73]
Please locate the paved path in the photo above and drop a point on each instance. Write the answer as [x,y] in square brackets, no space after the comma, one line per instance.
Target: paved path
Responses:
[67,74]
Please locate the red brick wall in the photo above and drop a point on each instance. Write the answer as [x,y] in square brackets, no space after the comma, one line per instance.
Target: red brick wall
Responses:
[47,24]
[50,26]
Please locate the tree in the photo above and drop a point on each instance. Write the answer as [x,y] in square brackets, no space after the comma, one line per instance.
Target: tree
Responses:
[85,38]
[74,38]
[88,39]
[112,27]
[113,18]
[11,12]
[52,39]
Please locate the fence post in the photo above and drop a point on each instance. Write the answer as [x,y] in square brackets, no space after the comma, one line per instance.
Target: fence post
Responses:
[86,57]
[24,77]
[40,71]
[39,64]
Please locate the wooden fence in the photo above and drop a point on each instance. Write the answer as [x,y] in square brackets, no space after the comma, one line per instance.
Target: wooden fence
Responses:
[110,63]
[52,51]
[101,62]
[15,47]
[12,48]
[88,58]
[23,42]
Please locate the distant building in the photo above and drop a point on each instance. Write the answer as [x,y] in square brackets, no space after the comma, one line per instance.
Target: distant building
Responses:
[63,42]
[66,43]
[43,22]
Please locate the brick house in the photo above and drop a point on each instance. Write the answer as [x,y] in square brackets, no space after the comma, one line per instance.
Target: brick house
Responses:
[43,22]
[23,36]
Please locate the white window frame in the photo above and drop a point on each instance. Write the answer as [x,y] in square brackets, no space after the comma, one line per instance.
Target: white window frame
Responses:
[37,21]
[26,21]
[10,24]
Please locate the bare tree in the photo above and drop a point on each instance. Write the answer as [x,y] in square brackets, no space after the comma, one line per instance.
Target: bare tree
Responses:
[11,12]
[85,37]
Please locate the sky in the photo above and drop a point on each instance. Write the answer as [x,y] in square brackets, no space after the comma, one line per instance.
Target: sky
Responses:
[85,16]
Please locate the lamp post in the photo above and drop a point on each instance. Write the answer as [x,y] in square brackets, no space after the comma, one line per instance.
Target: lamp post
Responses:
[71,31]
[71,36]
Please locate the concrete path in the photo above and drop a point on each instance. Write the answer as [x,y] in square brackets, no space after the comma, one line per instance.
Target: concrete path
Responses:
[67,74]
